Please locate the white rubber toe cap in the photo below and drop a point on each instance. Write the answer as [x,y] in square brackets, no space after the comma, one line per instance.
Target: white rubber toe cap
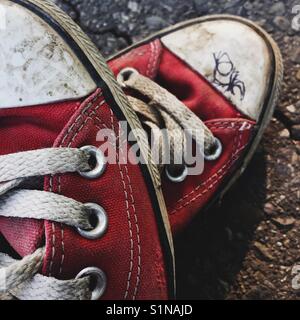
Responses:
[37,66]
[229,54]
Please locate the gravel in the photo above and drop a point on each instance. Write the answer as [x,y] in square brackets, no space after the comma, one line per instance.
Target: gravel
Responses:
[277,9]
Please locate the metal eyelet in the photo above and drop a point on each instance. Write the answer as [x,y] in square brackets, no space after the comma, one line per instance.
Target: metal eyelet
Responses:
[216,152]
[177,178]
[125,74]
[99,276]
[101,222]
[100,165]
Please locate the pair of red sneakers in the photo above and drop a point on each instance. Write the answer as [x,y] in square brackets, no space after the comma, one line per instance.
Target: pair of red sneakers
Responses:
[85,210]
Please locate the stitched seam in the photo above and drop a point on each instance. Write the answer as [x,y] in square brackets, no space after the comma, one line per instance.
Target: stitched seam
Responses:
[137,232]
[52,248]
[69,131]
[62,232]
[135,215]
[155,58]
[62,249]
[128,219]
[100,123]
[216,175]
[228,122]
[208,180]
[205,190]
[89,105]
[52,235]
[149,66]
[229,163]
[227,125]
[220,170]
[93,116]
[53,225]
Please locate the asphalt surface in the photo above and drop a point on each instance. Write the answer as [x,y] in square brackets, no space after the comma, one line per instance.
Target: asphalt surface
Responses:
[248,246]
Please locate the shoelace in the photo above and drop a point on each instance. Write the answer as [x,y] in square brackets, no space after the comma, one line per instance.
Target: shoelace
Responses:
[19,279]
[157,109]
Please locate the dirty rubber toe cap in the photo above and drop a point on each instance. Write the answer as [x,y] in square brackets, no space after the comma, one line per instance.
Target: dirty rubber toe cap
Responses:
[37,66]
[231,55]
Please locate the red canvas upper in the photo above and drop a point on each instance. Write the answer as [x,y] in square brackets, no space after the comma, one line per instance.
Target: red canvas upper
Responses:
[130,253]
[234,130]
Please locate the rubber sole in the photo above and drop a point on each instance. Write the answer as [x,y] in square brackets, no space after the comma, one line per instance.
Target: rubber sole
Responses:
[91,58]
[271,99]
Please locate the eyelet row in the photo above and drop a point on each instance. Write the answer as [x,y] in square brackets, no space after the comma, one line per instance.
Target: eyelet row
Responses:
[100,217]
[183,173]
[99,220]
[125,75]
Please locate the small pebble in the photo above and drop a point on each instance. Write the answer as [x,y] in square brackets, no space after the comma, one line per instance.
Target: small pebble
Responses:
[155,22]
[282,23]
[291,108]
[284,133]
[269,208]
[277,9]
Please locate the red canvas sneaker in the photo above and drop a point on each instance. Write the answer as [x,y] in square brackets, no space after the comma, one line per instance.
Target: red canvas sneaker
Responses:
[72,224]
[218,73]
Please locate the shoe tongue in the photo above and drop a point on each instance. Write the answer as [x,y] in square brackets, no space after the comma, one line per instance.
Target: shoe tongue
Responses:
[30,128]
